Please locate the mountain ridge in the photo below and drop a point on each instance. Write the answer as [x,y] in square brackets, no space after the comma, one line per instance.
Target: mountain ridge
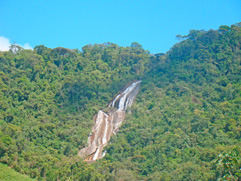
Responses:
[47,101]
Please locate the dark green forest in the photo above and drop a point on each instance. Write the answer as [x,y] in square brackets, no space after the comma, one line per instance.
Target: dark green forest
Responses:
[184,125]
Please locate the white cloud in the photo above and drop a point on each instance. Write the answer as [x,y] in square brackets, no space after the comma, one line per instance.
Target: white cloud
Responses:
[5,43]
[27,46]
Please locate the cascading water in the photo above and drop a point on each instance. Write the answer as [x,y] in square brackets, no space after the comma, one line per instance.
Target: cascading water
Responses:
[108,124]
[124,97]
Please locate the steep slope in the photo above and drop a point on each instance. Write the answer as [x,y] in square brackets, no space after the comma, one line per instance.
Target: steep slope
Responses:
[187,111]
[48,98]
[108,124]
[8,174]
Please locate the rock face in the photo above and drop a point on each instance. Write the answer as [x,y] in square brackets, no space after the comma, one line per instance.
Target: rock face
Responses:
[107,124]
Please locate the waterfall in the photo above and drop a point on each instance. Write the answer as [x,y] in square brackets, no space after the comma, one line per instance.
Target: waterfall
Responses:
[104,140]
[126,95]
[107,124]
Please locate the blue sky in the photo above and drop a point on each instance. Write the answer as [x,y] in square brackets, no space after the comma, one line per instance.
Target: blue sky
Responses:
[75,23]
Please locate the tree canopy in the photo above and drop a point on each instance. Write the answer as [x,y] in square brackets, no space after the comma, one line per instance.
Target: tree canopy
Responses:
[186,114]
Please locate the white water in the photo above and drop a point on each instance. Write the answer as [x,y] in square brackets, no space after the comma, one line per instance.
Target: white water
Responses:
[104,140]
[104,153]
[96,154]
[107,125]
[97,127]
[126,95]
[113,102]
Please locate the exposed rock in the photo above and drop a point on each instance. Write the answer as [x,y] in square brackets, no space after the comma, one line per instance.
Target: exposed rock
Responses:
[107,124]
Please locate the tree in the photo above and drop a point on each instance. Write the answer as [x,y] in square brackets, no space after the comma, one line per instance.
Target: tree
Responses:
[230,163]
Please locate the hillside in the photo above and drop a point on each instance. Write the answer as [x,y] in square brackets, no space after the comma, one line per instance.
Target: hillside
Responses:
[8,174]
[186,113]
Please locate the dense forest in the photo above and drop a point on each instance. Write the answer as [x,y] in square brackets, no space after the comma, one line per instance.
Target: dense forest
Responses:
[185,123]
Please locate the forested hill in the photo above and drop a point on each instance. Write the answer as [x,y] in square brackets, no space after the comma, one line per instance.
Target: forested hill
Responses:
[185,121]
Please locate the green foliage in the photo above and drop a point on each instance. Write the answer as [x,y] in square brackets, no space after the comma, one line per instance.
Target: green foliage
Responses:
[230,164]
[48,100]
[187,111]
[186,114]
[8,174]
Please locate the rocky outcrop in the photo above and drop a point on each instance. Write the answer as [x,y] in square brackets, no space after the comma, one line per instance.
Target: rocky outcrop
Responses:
[107,124]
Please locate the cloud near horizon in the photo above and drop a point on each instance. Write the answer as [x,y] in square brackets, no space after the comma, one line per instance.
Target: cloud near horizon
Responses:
[5,44]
